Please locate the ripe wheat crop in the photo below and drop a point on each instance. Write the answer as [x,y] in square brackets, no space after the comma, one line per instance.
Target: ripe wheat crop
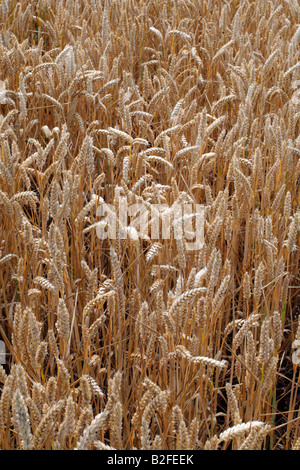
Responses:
[137,342]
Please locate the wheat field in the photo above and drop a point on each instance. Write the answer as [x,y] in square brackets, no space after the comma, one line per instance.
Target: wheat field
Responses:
[139,342]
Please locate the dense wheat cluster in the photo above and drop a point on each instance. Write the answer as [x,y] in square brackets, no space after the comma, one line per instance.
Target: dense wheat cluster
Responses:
[141,343]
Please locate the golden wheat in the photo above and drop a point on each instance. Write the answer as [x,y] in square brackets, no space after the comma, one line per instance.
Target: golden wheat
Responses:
[137,341]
